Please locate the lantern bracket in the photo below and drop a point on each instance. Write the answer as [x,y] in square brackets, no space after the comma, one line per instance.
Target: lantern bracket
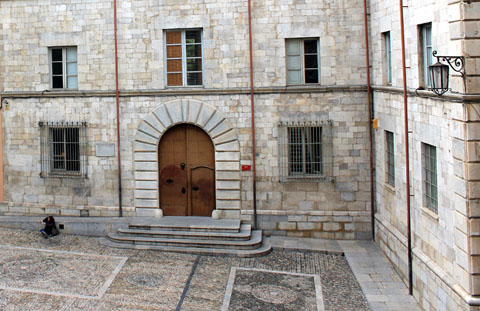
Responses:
[457,63]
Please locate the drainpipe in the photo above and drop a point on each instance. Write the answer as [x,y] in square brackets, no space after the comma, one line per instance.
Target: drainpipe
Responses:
[117,97]
[252,107]
[1,150]
[370,108]
[407,155]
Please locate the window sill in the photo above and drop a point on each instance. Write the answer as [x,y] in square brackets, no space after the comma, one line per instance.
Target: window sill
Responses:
[426,211]
[189,87]
[312,85]
[63,175]
[304,179]
[389,188]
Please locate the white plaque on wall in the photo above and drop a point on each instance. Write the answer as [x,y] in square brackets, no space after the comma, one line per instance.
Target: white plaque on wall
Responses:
[104,149]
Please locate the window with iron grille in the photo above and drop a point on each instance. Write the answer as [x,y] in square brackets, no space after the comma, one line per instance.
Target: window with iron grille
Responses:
[390,154]
[429,159]
[63,149]
[304,150]
[184,57]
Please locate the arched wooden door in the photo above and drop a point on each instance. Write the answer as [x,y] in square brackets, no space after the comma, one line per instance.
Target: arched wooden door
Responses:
[187,172]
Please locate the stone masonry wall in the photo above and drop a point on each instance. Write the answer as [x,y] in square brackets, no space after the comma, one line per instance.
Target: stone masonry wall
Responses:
[33,26]
[446,238]
[337,209]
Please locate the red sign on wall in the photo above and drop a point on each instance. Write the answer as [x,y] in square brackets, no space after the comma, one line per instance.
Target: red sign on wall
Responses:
[246,167]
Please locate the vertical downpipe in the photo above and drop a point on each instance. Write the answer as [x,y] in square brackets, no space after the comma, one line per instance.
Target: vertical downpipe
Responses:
[252,107]
[370,108]
[117,97]
[407,155]
[1,147]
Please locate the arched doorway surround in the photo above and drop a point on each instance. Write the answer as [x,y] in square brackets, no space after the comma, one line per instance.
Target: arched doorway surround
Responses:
[227,155]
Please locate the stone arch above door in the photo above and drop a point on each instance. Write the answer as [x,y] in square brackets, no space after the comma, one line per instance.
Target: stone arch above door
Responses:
[227,155]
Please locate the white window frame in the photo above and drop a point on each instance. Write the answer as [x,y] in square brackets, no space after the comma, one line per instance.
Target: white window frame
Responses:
[65,62]
[184,57]
[302,54]
[427,49]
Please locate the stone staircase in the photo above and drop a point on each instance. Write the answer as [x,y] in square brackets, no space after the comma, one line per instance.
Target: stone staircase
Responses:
[198,235]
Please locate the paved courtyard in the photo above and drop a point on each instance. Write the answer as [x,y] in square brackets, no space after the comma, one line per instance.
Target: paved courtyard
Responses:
[71,272]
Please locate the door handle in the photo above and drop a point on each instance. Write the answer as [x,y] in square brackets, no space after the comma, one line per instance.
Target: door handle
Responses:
[184,190]
[169,181]
[195,188]
[182,165]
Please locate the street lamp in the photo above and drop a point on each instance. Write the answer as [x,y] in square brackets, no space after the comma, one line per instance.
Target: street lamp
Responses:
[439,72]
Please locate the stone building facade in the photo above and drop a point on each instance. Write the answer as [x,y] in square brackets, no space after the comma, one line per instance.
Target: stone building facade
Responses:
[443,138]
[327,201]
[331,202]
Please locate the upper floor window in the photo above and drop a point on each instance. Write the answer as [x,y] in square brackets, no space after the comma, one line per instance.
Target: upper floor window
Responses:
[302,61]
[63,68]
[388,57]
[426,57]
[184,57]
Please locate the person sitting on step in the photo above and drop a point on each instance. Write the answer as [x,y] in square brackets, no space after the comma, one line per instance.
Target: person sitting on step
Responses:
[50,227]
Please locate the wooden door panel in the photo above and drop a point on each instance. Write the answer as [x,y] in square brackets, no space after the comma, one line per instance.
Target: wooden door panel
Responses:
[173,181]
[203,191]
[201,161]
[186,172]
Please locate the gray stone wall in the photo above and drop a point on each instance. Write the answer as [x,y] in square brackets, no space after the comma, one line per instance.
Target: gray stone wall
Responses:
[336,208]
[443,242]
[33,26]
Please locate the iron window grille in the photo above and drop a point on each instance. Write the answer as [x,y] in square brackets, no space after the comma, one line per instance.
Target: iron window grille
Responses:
[429,159]
[63,149]
[390,153]
[305,150]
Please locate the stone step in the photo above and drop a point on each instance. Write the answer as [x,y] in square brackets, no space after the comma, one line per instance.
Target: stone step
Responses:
[243,235]
[254,242]
[263,249]
[191,223]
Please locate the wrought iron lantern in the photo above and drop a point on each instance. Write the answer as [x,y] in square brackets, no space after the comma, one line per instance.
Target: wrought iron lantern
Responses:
[439,72]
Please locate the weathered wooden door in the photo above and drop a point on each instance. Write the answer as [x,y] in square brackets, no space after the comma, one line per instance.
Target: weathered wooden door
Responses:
[187,174]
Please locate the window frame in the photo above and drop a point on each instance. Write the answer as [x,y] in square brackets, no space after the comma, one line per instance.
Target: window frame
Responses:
[430,177]
[314,149]
[302,55]
[387,45]
[426,57]
[390,158]
[184,57]
[65,75]
[60,156]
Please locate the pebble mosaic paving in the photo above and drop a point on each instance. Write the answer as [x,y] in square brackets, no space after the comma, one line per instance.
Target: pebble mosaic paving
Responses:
[70,272]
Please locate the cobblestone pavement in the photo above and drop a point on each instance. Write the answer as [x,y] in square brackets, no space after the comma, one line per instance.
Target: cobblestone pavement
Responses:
[70,272]
[380,283]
